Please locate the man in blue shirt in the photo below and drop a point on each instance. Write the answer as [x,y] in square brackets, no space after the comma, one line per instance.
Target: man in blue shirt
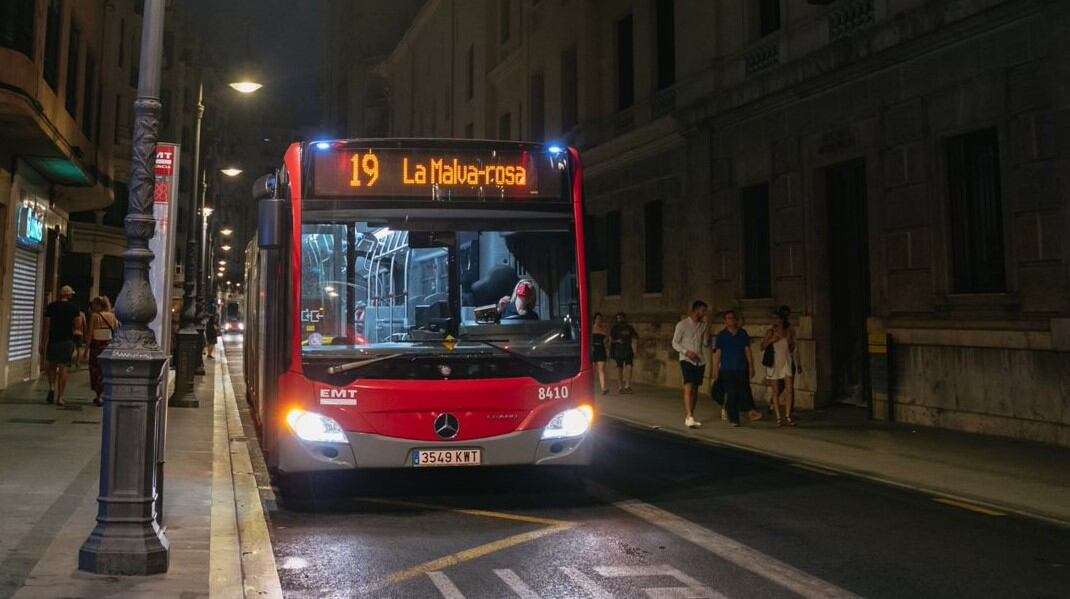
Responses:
[733,365]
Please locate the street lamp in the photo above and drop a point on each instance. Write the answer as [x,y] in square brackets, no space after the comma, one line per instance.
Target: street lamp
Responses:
[231,171]
[226,231]
[127,539]
[222,262]
[225,248]
[245,87]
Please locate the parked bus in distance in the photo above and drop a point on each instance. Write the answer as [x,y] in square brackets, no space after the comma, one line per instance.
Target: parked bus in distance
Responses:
[416,303]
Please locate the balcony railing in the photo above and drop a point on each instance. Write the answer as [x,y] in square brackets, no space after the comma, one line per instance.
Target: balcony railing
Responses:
[849,18]
[762,58]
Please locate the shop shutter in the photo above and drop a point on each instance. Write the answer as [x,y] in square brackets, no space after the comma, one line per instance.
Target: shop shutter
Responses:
[23,306]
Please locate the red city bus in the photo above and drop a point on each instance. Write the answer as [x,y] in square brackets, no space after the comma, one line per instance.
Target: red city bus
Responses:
[419,303]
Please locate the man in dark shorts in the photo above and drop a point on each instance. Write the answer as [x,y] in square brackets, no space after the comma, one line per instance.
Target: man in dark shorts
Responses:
[623,338]
[689,339]
[733,365]
[57,342]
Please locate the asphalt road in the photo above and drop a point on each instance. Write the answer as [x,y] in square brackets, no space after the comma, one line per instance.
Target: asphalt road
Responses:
[655,516]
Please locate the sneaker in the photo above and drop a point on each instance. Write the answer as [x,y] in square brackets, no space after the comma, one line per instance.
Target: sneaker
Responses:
[690,422]
[735,424]
[605,391]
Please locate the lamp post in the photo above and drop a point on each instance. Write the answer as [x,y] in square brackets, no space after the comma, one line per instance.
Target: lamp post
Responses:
[202,283]
[127,539]
[188,346]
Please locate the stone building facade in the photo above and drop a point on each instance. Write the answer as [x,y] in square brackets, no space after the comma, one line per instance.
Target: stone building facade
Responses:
[893,170]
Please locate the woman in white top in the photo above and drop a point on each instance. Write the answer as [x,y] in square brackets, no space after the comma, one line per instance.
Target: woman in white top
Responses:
[102,325]
[782,373]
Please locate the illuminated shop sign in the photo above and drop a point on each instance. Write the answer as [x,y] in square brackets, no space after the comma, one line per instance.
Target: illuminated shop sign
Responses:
[438,174]
[31,225]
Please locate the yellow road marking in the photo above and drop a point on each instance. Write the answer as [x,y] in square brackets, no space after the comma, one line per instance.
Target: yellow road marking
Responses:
[969,506]
[815,469]
[480,513]
[464,556]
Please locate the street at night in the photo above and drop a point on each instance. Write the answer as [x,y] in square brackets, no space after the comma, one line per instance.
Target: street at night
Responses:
[654,516]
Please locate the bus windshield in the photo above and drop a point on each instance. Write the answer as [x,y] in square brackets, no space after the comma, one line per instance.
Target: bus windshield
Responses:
[441,287]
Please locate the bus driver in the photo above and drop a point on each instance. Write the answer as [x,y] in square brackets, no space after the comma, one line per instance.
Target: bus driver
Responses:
[522,306]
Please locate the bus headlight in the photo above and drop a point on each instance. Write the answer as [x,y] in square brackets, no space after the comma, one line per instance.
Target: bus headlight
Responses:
[318,428]
[570,423]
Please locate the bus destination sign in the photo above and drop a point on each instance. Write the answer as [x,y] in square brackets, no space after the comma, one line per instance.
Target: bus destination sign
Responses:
[432,174]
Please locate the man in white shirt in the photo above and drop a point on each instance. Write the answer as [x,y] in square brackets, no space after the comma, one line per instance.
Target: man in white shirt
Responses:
[689,338]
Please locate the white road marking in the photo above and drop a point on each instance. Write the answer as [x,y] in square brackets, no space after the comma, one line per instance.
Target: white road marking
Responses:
[585,583]
[745,557]
[445,585]
[518,586]
[693,590]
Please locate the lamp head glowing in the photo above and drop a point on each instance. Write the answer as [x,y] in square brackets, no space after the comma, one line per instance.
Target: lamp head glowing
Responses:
[225,248]
[231,171]
[208,210]
[245,87]
[323,145]
[226,231]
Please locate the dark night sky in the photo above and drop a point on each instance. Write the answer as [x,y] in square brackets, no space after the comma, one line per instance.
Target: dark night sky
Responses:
[282,38]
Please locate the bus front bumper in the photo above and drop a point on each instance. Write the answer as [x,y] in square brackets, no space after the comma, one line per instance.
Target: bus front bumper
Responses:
[366,450]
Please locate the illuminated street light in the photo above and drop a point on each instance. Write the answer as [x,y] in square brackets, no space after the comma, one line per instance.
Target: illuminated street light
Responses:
[222,262]
[225,248]
[231,171]
[208,210]
[226,231]
[219,274]
[246,87]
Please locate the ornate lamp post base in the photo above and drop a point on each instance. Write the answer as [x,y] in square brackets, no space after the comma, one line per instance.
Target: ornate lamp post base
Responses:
[127,539]
[185,358]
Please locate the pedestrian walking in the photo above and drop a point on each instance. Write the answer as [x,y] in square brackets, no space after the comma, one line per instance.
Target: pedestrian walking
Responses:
[733,366]
[689,339]
[102,326]
[623,340]
[57,343]
[599,350]
[211,334]
[778,347]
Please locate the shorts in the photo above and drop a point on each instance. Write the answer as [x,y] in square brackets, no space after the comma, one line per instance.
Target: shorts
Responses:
[624,360]
[693,373]
[60,353]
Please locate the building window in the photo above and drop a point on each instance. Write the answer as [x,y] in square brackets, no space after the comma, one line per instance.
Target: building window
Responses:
[768,17]
[89,95]
[505,126]
[505,12]
[625,64]
[117,132]
[52,25]
[976,211]
[666,43]
[72,69]
[470,74]
[470,131]
[538,108]
[653,247]
[122,43]
[613,253]
[570,98]
[16,25]
[757,267]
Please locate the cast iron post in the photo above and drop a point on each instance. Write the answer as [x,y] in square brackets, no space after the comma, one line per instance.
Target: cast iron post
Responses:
[127,539]
[188,345]
[202,282]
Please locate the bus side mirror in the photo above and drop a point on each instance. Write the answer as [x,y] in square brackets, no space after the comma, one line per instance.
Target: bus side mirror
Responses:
[271,218]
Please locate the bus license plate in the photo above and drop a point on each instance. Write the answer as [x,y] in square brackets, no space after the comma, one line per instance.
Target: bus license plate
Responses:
[447,457]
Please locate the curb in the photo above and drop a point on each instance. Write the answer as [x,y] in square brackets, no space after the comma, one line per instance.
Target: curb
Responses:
[242,557]
[818,466]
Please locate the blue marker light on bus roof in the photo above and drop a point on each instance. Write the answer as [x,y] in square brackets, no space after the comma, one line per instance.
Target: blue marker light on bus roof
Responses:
[555,149]
[323,145]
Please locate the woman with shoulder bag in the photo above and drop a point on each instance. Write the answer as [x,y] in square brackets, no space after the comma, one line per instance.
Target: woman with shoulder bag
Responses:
[102,326]
[778,347]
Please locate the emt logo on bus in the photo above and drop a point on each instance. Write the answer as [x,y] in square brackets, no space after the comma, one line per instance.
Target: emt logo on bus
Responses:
[337,397]
[433,174]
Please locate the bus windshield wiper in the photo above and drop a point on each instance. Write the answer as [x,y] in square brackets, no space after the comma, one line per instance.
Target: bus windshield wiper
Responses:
[505,350]
[360,363]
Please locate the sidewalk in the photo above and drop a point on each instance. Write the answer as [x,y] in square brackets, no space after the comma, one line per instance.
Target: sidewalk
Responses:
[49,477]
[1006,474]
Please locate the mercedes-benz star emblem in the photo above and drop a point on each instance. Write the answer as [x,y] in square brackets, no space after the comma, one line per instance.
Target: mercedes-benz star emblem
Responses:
[446,426]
